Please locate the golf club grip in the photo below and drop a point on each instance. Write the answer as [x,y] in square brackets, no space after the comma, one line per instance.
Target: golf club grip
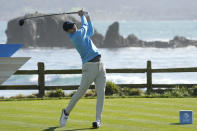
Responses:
[50,15]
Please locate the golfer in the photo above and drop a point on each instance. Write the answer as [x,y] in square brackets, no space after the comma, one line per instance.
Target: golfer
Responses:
[93,69]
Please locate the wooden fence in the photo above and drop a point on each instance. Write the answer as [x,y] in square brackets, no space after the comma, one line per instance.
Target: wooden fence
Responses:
[41,72]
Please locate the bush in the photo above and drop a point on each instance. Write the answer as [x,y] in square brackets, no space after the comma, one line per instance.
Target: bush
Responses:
[2,97]
[156,95]
[32,96]
[111,88]
[90,93]
[159,91]
[178,92]
[21,96]
[17,96]
[194,91]
[57,93]
[132,91]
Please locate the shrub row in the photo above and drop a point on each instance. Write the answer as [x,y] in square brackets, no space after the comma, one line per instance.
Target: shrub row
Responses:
[114,90]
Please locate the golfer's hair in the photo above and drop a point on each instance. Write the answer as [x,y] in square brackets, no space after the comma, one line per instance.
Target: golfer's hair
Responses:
[68,25]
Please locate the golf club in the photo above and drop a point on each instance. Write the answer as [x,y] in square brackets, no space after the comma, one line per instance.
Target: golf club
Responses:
[22,21]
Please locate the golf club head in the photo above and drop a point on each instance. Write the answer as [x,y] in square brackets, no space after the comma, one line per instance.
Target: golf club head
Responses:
[21,22]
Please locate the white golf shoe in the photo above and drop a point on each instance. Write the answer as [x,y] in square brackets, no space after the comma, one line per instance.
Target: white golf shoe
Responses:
[96,124]
[63,118]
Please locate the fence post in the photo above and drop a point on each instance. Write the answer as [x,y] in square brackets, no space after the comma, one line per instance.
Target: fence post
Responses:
[41,79]
[149,77]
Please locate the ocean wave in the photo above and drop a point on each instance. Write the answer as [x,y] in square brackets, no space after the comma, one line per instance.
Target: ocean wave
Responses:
[34,78]
[117,78]
[69,76]
[125,79]
[158,39]
[172,81]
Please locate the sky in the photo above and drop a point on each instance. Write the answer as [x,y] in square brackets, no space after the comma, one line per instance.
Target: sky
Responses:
[104,10]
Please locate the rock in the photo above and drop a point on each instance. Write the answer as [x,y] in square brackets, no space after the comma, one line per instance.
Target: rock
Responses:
[133,41]
[180,41]
[48,32]
[113,39]
[44,32]
[158,44]
[97,38]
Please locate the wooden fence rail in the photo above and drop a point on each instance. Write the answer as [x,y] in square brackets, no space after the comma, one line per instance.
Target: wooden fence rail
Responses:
[41,72]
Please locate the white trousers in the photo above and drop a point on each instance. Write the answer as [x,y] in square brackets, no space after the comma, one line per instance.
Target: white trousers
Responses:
[91,72]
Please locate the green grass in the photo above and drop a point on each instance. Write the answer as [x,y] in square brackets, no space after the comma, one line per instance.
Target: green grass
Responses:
[120,114]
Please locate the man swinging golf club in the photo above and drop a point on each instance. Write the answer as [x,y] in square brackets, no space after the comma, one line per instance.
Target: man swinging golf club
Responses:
[93,69]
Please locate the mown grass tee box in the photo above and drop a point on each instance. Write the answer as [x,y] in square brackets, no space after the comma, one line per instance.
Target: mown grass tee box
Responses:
[119,114]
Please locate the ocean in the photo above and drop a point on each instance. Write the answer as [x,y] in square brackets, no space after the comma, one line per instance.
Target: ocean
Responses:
[124,57]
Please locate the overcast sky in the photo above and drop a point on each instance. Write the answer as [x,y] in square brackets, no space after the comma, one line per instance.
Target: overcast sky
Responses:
[105,9]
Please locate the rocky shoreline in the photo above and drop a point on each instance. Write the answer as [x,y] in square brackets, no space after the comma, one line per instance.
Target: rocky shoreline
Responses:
[44,32]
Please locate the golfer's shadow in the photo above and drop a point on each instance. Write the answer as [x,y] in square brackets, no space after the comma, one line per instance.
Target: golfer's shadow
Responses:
[51,128]
[176,124]
[79,129]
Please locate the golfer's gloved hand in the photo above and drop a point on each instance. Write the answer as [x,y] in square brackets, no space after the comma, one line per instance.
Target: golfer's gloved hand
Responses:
[81,13]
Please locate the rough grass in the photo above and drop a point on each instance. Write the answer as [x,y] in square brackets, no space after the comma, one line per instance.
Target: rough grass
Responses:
[120,114]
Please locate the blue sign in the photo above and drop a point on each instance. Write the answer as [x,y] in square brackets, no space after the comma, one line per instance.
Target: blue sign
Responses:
[7,50]
[186,117]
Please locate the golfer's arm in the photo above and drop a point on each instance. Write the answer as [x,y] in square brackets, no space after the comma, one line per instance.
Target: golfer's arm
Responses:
[90,30]
[88,18]
[84,22]
[84,26]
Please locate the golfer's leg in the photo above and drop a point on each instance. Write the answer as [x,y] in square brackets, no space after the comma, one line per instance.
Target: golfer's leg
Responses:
[100,84]
[86,81]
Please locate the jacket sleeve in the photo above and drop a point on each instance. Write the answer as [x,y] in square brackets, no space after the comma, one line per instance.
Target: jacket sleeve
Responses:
[84,27]
[90,31]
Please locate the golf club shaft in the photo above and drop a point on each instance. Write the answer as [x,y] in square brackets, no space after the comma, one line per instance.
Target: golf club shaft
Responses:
[50,15]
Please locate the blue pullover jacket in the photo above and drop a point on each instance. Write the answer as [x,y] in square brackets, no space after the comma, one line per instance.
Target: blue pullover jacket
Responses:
[82,42]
